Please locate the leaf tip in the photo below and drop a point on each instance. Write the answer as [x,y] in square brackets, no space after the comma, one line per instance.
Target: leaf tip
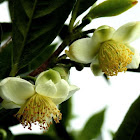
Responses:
[134,2]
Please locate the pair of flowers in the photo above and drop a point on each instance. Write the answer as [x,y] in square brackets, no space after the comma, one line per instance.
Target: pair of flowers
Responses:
[108,51]
[37,103]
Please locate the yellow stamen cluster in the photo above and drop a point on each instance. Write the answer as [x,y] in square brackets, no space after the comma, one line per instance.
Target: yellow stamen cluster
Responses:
[114,57]
[38,109]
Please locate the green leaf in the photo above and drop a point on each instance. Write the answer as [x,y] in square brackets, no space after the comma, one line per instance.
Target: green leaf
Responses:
[92,128]
[32,137]
[7,117]
[5,60]
[5,31]
[39,60]
[130,127]
[66,110]
[83,6]
[36,23]
[43,56]
[62,132]
[80,7]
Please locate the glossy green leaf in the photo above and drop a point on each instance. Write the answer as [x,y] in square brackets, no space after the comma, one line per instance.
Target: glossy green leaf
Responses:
[7,117]
[110,8]
[92,128]
[36,23]
[5,31]
[5,60]
[130,127]
[39,60]
[43,56]
[83,6]
[33,137]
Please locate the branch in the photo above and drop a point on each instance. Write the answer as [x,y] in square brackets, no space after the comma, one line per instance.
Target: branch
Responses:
[52,59]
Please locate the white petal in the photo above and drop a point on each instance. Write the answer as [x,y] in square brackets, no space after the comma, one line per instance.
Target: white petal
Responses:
[46,89]
[81,51]
[16,89]
[95,68]
[72,90]
[128,32]
[9,105]
[48,75]
[135,59]
[62,92]
[84,50]
[58,101]
[62,89]
[103,33]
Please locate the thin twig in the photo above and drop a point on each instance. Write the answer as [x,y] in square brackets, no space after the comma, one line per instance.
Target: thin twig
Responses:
[53,57]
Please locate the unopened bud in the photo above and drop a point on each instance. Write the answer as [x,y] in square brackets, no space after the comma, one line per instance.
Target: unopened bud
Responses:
[110,8]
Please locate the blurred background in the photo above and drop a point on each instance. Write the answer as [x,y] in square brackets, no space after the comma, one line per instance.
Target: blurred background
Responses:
[96,93]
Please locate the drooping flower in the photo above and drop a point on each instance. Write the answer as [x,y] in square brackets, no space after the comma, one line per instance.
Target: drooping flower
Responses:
[37,103]
[108,51]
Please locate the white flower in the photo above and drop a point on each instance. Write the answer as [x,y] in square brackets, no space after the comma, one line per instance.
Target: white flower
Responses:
[37,102]
[108,51]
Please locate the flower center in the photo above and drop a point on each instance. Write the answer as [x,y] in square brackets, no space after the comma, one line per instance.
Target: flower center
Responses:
[38,109]
[114,57]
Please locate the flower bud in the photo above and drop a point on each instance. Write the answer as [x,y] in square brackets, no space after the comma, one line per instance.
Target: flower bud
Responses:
[110,8]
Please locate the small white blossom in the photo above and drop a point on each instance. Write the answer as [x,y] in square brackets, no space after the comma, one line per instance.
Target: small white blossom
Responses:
[108,51]
[37,103]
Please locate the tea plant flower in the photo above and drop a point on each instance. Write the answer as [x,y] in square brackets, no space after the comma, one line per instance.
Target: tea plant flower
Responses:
[37,103]
[108,50]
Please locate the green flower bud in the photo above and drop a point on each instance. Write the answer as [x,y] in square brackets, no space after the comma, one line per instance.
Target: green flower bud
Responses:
[110,8]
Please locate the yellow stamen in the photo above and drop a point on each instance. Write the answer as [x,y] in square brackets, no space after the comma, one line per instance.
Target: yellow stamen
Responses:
[38,109]
[114,57]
